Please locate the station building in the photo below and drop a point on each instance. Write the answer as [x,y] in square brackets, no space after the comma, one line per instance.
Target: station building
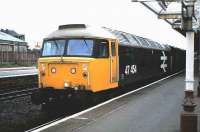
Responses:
[10,41]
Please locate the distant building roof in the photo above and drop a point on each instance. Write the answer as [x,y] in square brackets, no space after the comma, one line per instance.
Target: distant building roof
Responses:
[7,37]
[13,33]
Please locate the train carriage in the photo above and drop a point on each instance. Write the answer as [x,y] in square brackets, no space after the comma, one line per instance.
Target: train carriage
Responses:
[78,58]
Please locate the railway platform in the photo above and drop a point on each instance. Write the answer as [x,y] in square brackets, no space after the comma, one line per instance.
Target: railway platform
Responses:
[155,108]
[17,71]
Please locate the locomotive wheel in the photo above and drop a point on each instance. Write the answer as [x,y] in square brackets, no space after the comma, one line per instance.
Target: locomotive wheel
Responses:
[48,107]
[81,99]
[45,107]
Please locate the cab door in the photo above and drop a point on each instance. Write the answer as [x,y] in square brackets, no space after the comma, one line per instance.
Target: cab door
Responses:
[113,61]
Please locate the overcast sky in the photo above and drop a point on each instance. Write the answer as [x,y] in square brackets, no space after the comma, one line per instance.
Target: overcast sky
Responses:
[37,18]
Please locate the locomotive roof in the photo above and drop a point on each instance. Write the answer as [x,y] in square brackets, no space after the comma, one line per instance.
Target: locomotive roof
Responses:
[80,30]
[86,31]
[128,39]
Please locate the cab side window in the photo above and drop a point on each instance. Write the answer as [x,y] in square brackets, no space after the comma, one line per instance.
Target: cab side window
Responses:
[102,48]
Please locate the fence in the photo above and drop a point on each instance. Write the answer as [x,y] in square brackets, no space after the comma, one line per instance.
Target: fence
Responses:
[19,58]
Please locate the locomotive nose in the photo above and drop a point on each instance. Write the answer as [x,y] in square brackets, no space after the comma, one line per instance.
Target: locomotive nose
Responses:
[65,75]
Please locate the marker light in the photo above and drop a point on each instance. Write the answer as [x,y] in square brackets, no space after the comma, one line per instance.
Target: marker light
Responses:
[43,67]
[85,67]
[42,70]
[73,70]
[53,70]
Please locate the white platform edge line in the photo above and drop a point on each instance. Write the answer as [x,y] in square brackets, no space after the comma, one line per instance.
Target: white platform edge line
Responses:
[38,129]
[20,75]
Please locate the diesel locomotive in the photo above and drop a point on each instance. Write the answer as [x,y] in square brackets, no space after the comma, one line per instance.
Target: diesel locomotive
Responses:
[79,58]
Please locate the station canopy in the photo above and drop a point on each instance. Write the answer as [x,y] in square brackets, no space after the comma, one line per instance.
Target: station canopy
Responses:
[171,12]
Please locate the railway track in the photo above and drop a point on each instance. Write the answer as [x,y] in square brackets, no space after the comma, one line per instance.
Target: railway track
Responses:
[17,94]
[18,83]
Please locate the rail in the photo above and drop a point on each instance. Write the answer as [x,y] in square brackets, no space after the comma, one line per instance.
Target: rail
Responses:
[17,94]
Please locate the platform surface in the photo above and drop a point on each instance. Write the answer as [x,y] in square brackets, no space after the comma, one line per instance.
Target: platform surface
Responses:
[17,71]
[154,109]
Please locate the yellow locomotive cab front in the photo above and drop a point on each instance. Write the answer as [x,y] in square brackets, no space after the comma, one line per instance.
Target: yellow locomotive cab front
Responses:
[62,73]
[81,64]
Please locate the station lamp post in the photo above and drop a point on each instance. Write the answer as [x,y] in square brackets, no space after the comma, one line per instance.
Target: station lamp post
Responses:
[187,26]
[188,117]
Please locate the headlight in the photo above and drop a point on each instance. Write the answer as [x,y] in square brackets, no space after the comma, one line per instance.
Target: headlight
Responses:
[66,84]
[73,70]
[53,70]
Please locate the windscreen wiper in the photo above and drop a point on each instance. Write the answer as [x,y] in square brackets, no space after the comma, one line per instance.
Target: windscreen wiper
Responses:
[86,44]
[61,55]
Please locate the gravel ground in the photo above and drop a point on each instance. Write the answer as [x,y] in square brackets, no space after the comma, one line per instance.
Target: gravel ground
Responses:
[20,114]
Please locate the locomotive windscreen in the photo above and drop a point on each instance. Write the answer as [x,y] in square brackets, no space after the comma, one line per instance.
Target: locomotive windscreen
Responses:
[75,47]
[53,48]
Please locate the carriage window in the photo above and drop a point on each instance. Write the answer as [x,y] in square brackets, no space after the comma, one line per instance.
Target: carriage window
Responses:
[113,49]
